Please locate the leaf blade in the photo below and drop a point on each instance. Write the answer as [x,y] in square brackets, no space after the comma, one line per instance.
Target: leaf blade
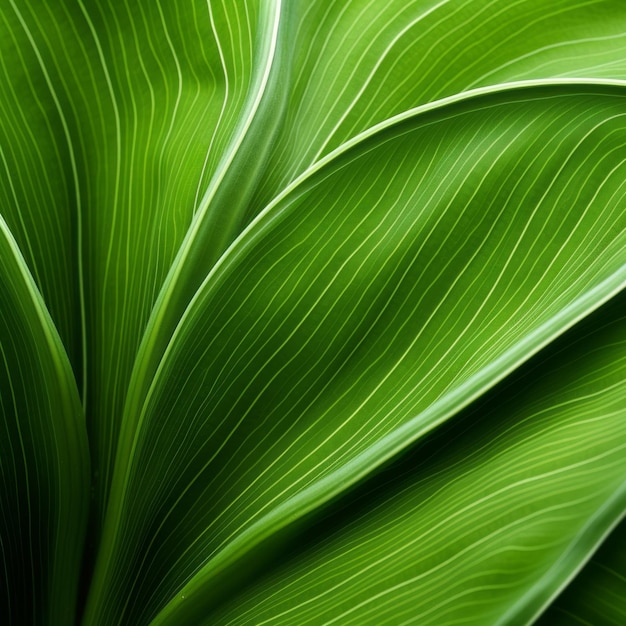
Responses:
[597,595]
[45,459]
[274,330]
[440,554]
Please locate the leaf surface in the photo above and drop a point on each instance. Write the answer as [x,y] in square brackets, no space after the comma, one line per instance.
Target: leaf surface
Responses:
[117,116]
[371,302]
[484,524]
[598,594]
[44,462]
[338,68]
[360,62]
[149,138]
[283,242]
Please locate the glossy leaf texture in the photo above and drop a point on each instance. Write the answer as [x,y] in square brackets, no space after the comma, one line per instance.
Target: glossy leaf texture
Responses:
[330,293]
[343,326]
[44,473]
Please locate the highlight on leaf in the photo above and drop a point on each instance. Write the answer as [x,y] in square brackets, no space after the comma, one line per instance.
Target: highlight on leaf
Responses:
[312,312]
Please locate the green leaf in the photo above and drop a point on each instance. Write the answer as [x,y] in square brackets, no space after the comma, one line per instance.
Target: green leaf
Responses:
[487,515]
[383,292]
[44,463]
[151,127]
[343,67]
[360,62]
[288,248]
[598,594]
[130,111]
[481,525]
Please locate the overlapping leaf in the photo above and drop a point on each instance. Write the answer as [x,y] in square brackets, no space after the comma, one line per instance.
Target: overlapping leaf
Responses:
[230,391]
[115,118]
[359,62]
[483,525]
[145,116]
[345,66]
[598,594]
[44,464]
[372,301]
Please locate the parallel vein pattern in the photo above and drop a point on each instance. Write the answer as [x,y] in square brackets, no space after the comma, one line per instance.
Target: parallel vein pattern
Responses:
[44,464]
[465,529]
[361,61]
[132,104]
[598,594]
[354,308]
[265,261]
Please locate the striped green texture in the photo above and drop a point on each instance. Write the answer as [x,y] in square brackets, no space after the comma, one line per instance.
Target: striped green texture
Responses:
[312,312]
[44,477]
[598,594]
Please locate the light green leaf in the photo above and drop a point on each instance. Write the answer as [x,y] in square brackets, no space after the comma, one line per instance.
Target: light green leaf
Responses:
[44,463]
[378,296]
[360,62]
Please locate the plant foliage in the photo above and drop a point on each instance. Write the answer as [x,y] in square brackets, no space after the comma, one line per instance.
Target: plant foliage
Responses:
[311,312]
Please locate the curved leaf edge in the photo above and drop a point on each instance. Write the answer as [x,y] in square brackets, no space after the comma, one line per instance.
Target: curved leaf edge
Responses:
[358,469]
[580,551]
[160,310]
[140,385]
[444,409]
[64,577]
[55,345]
[274,211]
